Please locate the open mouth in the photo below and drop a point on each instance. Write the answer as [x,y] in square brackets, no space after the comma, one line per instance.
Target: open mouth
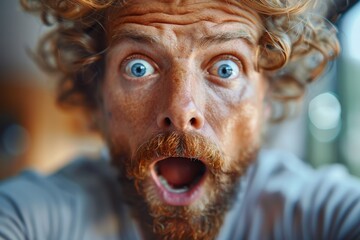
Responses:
[179,179]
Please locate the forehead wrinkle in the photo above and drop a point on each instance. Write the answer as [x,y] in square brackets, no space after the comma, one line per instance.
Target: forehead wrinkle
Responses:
[180,12]
[204,41]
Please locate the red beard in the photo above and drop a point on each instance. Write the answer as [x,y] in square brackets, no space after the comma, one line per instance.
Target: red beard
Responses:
[203,218]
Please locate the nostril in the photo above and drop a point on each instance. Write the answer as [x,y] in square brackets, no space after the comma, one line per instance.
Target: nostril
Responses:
[196,122]
[167,121]
[193,121]
[180,122]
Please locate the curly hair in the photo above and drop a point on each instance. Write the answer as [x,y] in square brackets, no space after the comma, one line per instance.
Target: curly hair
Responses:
[294,49]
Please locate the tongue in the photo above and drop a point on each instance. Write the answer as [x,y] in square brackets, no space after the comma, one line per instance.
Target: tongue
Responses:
[179,172]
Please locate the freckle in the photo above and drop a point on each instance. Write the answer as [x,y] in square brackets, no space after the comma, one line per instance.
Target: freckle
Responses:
[109,114]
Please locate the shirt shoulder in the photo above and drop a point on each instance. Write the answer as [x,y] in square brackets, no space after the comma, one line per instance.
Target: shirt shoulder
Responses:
[287,199]
[64,205]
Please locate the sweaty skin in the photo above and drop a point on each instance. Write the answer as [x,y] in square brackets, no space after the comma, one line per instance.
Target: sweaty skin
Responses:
[183,66]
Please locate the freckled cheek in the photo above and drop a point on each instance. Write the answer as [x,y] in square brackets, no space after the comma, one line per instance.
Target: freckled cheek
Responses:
[240,129]
[247,126]
[128,117]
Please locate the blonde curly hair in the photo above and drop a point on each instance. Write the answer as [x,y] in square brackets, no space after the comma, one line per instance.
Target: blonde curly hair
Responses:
[294,49]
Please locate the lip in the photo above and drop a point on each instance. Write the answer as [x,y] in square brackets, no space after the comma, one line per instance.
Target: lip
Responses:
[180,198]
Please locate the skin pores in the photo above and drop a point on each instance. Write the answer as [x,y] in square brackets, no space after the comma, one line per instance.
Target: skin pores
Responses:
[182,68]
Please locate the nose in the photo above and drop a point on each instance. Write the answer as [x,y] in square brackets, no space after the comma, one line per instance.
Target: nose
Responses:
[182,109]
[181,116]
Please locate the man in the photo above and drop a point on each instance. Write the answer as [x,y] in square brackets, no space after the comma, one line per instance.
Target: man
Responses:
[180,91]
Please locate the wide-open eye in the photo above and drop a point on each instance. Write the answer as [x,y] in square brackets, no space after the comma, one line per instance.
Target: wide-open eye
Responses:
[226,69]
[138,68]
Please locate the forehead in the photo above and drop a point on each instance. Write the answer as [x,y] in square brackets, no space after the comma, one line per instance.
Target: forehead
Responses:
[192,18]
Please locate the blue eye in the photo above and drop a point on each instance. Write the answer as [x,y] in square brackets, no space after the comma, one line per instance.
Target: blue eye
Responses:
[138,68]
[226,69]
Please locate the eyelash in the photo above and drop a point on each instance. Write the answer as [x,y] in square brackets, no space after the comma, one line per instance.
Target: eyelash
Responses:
[133,57]
[212,63]
[232,58]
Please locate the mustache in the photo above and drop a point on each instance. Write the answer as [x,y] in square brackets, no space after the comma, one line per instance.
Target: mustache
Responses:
[174,144]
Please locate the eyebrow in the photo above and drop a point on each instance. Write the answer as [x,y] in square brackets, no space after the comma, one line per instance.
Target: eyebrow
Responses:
[136,36]
[205,41]
[227,36]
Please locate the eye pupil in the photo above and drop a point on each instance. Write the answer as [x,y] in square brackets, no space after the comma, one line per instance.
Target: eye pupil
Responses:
[225,71]
[138,70]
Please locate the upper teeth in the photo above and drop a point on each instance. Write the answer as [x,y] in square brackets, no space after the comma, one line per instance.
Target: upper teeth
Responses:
[170,188]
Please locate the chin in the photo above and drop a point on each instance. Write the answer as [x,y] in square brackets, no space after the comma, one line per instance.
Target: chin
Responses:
[183,185]
[199,217]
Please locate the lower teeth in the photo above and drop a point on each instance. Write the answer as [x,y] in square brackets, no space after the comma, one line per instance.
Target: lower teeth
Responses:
[171,189]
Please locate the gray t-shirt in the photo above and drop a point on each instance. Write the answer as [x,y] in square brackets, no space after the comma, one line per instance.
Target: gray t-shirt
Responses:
[279,198]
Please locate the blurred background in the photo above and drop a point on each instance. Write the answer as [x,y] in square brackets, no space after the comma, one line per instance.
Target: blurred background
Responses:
[327,129]
[35,133]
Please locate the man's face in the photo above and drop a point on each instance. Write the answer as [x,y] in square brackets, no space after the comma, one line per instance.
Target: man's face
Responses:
[182,106]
